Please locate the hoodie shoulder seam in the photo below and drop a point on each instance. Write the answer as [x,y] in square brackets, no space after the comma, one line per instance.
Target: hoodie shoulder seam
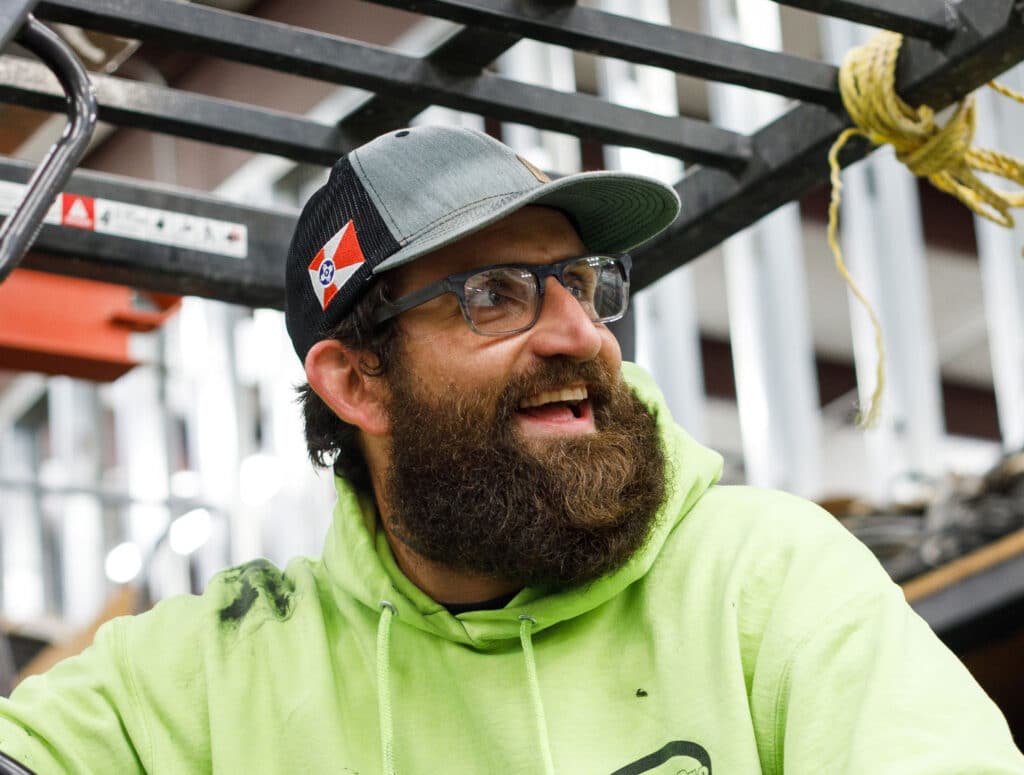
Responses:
[121,655]
[858,599]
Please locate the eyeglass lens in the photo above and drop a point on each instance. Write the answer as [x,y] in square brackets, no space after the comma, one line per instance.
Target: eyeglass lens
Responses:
[506,299]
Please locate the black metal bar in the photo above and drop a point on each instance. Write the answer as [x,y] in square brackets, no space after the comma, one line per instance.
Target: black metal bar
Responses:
[160,109]
[933,20]
[972,597]
[257,280]
[790,161]
[467,51]
[335,59]
[9,766]
[586,29]
[792,150]
[13,14]
[18,230]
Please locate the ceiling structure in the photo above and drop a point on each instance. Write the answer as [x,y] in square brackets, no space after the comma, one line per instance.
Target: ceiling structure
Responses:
[732,178]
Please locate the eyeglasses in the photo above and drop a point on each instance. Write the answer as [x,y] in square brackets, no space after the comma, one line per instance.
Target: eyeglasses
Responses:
[507,299]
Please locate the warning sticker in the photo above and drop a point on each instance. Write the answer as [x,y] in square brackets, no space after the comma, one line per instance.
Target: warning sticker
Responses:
[77,211]
[131,221]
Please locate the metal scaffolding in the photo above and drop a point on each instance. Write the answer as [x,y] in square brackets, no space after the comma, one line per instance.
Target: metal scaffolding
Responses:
[734,178]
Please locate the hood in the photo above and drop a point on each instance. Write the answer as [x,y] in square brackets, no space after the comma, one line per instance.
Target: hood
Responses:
[360,563]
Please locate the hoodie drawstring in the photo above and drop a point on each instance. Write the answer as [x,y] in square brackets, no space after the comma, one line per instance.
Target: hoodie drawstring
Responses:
[387,613]
[387,749]
[526,624]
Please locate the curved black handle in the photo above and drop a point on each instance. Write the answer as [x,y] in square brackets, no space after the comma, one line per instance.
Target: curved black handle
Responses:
[9,766]
[21,227]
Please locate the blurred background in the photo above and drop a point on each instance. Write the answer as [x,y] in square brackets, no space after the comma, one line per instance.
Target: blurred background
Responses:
[148,441]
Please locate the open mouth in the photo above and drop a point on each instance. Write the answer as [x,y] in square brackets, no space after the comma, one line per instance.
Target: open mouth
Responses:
[562,405]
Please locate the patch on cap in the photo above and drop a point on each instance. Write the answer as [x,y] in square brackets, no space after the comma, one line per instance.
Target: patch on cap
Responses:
[335,262]
[534,171]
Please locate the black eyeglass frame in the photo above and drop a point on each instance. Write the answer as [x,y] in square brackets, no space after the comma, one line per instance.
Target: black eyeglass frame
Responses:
[456,283]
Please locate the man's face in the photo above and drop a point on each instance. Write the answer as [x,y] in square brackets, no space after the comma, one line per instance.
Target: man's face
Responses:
[451,359]
[522,457]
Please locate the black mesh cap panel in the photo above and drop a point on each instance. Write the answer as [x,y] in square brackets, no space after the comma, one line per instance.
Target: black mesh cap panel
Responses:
[340,200]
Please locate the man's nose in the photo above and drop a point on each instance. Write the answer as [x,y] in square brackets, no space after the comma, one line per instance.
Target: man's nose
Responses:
[564,327]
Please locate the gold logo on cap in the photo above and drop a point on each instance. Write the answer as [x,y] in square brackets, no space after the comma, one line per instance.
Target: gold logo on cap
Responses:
[534,171]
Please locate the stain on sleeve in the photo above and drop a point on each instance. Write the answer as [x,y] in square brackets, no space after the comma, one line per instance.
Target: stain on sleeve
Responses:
[248,582]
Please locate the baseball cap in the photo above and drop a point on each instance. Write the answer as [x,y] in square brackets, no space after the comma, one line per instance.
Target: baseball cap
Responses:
[412,191]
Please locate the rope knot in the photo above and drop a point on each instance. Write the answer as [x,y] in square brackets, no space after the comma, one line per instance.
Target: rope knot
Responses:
[946,147]
[941,152]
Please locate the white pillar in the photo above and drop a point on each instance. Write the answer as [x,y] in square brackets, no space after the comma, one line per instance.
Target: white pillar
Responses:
[21,560]
[141,435]
[773,352]
[884,248]
[1002,267]
[206,335]
[74,462]
[665,314]
[541,64]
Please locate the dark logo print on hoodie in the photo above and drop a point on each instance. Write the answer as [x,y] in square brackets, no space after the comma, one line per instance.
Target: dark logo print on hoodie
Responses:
[680,757]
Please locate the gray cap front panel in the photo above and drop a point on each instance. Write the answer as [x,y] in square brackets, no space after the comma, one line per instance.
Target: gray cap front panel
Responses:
[419,179]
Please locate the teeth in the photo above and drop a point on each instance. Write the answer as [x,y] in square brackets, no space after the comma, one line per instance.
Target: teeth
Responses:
[578,393]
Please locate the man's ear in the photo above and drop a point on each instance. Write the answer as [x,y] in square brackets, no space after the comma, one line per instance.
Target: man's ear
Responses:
[357,398]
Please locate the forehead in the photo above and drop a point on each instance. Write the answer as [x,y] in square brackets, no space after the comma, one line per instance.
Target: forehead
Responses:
[532,235]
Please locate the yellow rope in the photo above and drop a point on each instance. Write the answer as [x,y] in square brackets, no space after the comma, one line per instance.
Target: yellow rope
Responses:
[942,153]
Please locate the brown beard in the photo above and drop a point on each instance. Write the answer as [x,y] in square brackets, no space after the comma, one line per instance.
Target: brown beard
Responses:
[466,490]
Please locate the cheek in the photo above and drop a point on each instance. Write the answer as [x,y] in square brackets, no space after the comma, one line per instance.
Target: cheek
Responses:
[611,352]
[461,359]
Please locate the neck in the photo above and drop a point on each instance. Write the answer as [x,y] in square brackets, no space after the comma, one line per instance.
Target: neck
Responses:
[442,583]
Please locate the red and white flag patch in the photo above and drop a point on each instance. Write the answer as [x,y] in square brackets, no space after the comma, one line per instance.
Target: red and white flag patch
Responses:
[335,263]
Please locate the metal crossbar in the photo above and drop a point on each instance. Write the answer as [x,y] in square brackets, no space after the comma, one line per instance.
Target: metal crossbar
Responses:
[792,149]
[257,282]
[13,14]
[19,229]
[467,50]
[146,106]
[684,52]
[335,59]
[953,49]
[932,20]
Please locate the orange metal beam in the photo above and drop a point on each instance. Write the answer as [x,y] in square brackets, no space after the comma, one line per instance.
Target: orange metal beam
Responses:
[65,325]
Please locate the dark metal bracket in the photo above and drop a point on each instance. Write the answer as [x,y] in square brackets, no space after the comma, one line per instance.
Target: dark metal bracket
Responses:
[20,229]
[951,49]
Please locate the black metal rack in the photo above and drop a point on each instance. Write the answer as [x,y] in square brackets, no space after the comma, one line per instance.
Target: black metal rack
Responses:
[733,180]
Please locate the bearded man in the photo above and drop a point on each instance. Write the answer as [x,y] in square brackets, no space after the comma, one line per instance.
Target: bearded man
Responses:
[531,568]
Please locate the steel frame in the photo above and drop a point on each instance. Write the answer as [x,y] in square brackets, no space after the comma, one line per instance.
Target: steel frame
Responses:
[256,281]
[990,595]
[736,179]
[18,231]
[335,59]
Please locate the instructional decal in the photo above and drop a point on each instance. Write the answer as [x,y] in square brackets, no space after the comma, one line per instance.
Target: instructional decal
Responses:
[131,221]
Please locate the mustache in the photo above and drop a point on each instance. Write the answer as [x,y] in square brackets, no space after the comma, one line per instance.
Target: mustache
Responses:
[555,373]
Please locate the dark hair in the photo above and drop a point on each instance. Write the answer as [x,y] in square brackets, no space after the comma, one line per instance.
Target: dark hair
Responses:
[330,440]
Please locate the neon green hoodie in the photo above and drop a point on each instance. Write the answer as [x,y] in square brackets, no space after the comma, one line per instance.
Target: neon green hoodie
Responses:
[752,633]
